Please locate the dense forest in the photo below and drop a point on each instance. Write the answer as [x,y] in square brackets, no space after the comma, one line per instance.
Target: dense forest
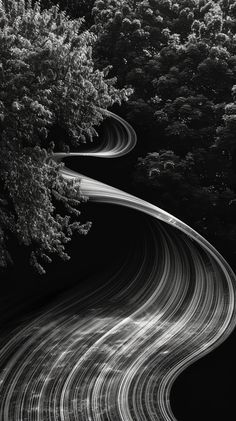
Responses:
[167,67]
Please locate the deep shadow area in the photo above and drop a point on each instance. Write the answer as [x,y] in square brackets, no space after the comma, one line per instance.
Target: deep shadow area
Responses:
[111,236]
[205,390]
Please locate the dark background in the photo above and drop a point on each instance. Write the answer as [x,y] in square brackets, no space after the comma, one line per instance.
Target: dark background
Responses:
[204,391]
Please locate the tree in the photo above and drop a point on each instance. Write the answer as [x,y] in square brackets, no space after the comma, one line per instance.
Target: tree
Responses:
[180,59]
[74,8]
[170,51]
[225,140]
[198,188]
[47,79]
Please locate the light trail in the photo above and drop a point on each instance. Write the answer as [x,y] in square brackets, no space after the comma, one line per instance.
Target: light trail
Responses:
[114,353]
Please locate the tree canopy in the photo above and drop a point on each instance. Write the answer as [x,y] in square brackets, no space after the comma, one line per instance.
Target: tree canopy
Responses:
[181,52]
[47,79]
[180,58]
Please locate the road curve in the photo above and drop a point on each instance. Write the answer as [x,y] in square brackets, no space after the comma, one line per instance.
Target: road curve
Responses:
[113,353]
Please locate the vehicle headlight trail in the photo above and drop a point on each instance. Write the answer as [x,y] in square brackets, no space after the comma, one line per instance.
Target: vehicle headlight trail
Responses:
[114,353]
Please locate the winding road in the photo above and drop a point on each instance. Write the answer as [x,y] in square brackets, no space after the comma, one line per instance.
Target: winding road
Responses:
[114,352]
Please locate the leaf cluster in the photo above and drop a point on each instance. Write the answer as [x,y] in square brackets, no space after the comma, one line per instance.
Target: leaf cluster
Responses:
[180,59]
[48,80]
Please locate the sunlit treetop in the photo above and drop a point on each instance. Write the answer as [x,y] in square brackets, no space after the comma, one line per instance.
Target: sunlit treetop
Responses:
[47,80]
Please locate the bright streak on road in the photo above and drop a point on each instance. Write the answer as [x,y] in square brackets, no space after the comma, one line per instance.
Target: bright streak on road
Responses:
[114,353]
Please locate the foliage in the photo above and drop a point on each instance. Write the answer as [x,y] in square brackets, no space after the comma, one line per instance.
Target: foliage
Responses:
[180,58]
[225,139]
[198,188]
[47,79]
[74,8]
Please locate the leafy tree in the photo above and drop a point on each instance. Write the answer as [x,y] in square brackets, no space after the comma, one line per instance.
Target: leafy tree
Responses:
[225,140]
[168,51]
[198,188]
[74,8]
[47,79]
[179,56]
